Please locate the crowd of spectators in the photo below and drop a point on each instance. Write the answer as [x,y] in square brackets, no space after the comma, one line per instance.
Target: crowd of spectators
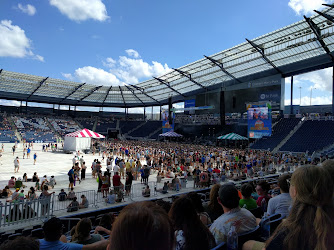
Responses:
[308,222]
[33,128]
[64,126]
[205,119]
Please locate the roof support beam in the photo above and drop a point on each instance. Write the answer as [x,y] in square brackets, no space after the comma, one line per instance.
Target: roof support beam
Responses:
[105,98]
[221,66]
[90,92]
[40,85]
[328,5]
[133,92]
[261,51]
[143,92]
[76,88]
[317,33]
[168,85]
[120,89]
[189,77]
[328,17]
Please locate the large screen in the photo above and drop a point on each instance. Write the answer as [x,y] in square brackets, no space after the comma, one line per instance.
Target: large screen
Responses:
[259,120]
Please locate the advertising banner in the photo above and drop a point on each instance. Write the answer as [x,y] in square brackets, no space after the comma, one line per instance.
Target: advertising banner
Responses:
[259,120]
[166,126]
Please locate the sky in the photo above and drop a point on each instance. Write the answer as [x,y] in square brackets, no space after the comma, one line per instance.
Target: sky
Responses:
[117,42]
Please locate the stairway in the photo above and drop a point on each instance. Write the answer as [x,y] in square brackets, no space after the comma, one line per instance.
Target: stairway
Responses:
[14,128]
[149,136]
[139,126]
[276,149]
[79,124]
[52,128]
[95,123]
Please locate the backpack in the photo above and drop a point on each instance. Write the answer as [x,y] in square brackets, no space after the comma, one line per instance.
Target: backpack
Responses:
[69,173]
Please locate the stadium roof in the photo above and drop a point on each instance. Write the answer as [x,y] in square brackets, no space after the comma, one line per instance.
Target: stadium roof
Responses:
[301,47]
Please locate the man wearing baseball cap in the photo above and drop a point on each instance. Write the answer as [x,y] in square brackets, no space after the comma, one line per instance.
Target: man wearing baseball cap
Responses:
[240,218]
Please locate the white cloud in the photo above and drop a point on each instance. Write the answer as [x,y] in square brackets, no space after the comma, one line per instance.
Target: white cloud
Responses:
[109,62]
[9,103]
[305,100]
[81,10]
[14,43]
[28,9]
[39,58]
[132,53]
[125,70]
[68,76]
[304,7]
[96,76]
[132,70]
[136,110]
[320,79]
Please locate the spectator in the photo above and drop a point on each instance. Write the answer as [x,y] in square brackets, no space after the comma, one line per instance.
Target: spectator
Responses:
[105,224]
[84,202]
[214,209]
[11,182]
[62,196]
[35,177]
[310,222]
[71,177]
[26,243]
[146,191]
[190,232]
[204,179]
[6,192]
[31,194]
[262,189]
[281,203]
[18,183]
[52,181]
[197,202]
[116,180]
[25,178]
[82,233]
[146,224]
[71,195]
[111,198]
[54,240]
[73,206]
[241,218]
[128,182]
[247,201]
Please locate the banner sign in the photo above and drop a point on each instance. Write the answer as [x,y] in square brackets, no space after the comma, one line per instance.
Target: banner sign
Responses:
[259,120]
[166,126]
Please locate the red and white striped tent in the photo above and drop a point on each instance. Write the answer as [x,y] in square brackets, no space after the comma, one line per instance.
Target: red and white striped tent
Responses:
[85,133]
[80,140]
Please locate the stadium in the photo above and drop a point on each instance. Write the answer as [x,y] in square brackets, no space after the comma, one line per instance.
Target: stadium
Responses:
[232,139]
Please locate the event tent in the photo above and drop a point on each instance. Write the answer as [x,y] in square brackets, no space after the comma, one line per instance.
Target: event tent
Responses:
[170,134]
[232,137]
[80,140]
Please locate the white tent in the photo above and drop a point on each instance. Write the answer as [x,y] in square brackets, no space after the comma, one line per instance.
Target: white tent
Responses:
[80,140]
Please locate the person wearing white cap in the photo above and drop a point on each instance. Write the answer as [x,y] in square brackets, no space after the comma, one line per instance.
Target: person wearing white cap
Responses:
[16,165]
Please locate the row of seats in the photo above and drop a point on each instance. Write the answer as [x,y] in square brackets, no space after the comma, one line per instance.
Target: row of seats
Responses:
[145,130]
[311,136]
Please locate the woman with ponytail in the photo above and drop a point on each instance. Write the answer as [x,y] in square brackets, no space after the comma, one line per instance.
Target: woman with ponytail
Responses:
[310,224]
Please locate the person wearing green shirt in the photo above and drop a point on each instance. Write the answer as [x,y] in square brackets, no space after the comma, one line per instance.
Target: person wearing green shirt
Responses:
[247,201]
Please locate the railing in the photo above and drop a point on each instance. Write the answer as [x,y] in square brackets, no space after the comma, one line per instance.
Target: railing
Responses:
[62,204]
[22,211]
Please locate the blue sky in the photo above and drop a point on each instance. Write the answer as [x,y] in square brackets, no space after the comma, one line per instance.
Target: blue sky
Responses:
[116,42]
